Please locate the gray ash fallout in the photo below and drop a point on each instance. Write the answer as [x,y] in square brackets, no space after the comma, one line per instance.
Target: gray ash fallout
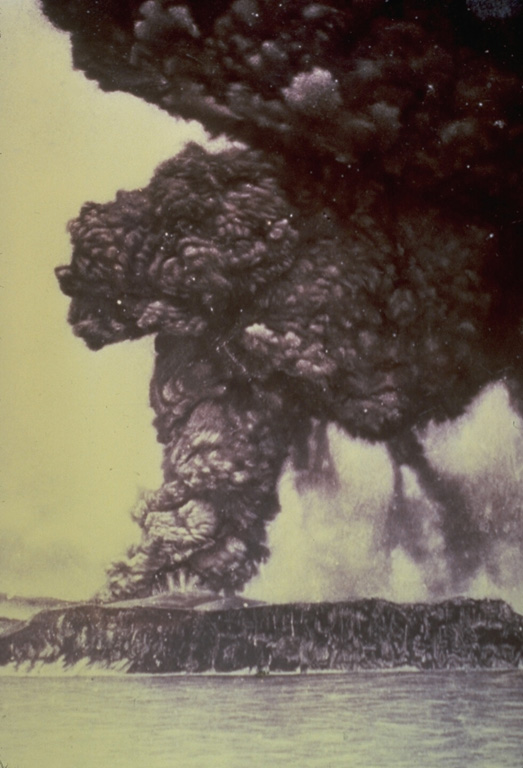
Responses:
[359,264]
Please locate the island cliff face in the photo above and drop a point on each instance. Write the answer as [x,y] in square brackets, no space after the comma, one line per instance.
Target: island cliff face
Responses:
[365,634]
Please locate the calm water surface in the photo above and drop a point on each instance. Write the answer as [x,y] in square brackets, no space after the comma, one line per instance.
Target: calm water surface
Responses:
[364,719]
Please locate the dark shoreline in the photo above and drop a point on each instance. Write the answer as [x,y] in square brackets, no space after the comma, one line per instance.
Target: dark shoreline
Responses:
[459,634]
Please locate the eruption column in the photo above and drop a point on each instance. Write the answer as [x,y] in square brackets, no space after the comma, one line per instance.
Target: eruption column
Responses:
[361,267]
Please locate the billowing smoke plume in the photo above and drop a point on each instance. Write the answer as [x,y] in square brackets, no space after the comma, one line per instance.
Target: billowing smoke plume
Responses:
[186,258]
[268,317]
[415,93]
[360,266]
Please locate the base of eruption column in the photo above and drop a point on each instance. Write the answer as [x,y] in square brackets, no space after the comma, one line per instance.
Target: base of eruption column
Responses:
[189,600]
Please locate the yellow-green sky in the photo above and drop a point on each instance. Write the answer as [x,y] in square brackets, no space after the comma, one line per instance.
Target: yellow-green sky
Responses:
[77,444]
[77,441]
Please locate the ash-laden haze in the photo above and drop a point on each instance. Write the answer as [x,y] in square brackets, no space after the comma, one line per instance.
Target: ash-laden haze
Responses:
[356,263]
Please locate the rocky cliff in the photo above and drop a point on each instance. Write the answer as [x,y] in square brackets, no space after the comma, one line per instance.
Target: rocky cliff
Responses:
[364,634]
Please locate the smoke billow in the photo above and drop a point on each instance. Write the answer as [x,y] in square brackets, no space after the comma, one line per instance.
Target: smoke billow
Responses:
[358,266]
[409,92]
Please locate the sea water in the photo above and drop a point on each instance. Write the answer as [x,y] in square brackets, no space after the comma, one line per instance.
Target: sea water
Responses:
[367,719]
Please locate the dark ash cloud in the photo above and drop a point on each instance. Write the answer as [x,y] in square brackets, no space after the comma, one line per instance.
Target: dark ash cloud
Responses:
[267,316]
[360,264]
[414,92]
